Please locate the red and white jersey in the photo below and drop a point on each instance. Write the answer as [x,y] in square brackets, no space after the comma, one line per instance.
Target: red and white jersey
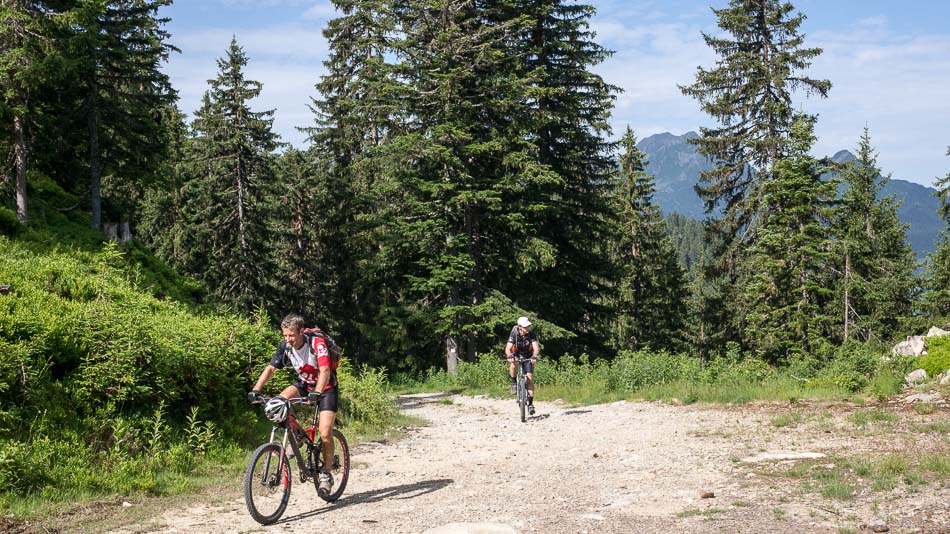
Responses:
[306,360]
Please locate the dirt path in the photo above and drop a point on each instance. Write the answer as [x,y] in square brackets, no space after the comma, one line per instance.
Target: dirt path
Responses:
[622,467]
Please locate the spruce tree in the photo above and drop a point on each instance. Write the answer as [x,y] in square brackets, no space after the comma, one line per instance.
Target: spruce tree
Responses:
[303,215]
[119,47]
[875,262]
[651,305]
[938,264]
[27,61]
[784,291]
[568,124]
[355,111]
[226,200]
[443,221]
[749,93]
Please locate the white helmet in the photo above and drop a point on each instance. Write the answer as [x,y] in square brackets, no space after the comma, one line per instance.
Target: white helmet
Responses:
[524,322]
[276,409]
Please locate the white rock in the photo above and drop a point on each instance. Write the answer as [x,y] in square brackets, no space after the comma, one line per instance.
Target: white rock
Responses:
[917,376]
[923,397]
[772,456]
[937,332]
[914,346]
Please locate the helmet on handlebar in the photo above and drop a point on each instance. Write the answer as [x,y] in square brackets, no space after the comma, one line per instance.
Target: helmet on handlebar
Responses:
[276,409]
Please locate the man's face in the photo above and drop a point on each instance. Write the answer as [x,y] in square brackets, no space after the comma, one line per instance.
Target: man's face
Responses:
[293,337]
[523,331]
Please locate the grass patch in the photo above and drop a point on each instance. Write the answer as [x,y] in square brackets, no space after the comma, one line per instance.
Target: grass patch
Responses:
[705,512]
[925,408]
[778,389]
[937,464]
[942,428]
[843,478]
[837,489]
[868,417]
[786,419]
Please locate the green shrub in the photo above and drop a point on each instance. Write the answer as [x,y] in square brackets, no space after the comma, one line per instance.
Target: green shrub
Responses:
[937,359]
[364,399]
[634,370]
[9,223]
[851,366]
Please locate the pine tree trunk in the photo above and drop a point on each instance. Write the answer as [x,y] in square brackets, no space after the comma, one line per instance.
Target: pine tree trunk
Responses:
[847,274]
[451,354]
[95,163]
[475,276]
[20,162]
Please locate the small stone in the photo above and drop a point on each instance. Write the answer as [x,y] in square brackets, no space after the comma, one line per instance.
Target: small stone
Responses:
[879,527]
[126,504]
[707,495]
[916,376]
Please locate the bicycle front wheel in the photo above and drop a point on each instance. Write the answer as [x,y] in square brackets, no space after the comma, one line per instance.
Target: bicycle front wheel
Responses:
[522,396]
[267,484]
[340,470]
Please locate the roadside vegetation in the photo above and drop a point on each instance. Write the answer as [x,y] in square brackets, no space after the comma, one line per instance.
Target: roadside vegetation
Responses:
[117,380]
[856,371]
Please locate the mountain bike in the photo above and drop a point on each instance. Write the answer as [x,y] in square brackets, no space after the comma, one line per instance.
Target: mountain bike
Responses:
[522,385]
[268,478]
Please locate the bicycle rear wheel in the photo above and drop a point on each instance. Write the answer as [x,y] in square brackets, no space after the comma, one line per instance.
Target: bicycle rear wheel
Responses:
[340,470]
[267,484]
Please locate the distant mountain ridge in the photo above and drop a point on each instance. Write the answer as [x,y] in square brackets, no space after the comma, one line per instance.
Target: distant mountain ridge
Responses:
[675,165]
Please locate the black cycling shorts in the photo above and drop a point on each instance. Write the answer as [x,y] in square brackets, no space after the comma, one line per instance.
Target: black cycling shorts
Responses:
[329,401]
[527,366]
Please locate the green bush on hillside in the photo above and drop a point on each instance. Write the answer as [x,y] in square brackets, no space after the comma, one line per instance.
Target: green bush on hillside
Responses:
[851,367]
[106,389]
[937,359]
[10,224]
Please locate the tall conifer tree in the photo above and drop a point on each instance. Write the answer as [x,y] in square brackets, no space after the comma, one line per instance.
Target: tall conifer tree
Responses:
[443,221]
[938,264]
[651,302]
[872,254]
[226,201]
[120,46]
[568,124]
[749,93]
[784,291]
[27,32]
[354,112]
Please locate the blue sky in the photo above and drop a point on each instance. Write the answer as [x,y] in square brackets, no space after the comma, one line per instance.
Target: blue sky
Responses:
[889,63]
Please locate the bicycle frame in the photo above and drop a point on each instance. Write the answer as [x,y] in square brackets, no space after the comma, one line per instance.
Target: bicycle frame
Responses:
[291,429]
[522,385]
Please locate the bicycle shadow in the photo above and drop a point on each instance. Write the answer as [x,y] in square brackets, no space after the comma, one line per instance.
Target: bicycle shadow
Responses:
[405,491]
[575,412]
[416,400]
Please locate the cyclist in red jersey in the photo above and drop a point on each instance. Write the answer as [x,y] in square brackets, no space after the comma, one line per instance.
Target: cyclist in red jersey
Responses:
[316,371]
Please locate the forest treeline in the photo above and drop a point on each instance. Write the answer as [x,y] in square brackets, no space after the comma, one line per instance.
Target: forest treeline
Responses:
[460,171]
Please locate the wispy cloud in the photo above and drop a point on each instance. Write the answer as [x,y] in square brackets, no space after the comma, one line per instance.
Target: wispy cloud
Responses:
[896,85]
[286,59]
[893,83]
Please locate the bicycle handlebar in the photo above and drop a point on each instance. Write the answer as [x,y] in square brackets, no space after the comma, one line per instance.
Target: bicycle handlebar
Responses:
[519,358]
[261,399]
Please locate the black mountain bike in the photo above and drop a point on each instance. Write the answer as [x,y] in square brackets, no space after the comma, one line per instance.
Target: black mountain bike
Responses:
[522,386]
[268,477]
